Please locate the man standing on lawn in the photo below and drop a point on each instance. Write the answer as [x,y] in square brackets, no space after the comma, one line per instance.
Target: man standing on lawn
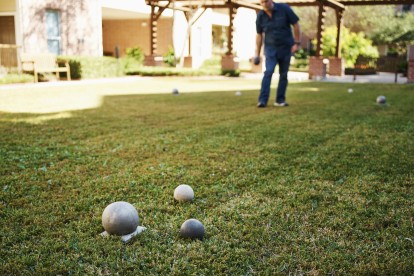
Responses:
[275,21]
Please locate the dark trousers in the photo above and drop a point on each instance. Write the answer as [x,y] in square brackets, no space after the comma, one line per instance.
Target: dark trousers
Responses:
[275,57]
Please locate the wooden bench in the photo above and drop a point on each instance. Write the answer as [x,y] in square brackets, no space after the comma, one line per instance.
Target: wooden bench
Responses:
[43,63]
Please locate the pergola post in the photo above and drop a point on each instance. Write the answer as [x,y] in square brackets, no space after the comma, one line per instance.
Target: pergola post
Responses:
[191,19]
[316,66]
[336,63]
[320,28]
[228,61]
[410,60]
[153,59]
[188,60]
[338,33]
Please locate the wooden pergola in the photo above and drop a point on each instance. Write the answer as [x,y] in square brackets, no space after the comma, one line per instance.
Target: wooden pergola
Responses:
[189,6]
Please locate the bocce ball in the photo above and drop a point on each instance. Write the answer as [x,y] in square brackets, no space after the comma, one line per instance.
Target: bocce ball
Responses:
[381,100]
[175,91]
[193,229]
[238,93]
[120,218]
[183,192]
[350,90]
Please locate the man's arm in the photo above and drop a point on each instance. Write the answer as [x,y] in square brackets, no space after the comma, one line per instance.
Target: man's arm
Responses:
[259,41]
[296,34]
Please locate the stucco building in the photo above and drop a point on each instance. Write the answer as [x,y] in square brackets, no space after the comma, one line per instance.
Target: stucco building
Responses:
[98,27]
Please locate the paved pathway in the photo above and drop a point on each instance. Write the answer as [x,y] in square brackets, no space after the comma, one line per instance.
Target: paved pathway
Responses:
[378,78]
[60,96]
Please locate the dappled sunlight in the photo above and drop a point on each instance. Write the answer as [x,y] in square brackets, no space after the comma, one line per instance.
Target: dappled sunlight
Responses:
[48,101]
[36,120]
[56,97]
[309,89]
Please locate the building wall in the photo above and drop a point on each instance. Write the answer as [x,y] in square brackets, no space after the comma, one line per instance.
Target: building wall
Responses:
[201,39]
[135,32]
[7,5]
[245,33]
[80,26]
[84,33]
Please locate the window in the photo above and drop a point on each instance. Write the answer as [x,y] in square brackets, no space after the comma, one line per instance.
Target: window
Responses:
[53,31]
[406,8]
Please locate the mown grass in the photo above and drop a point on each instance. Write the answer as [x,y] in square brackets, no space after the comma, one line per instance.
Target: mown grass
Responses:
[324,186]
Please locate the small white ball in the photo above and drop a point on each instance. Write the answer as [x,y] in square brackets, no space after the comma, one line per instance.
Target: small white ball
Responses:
[120,218]
[175,91]
[193,229]
[381,100]
[184,193]
[238,93]
[350,90]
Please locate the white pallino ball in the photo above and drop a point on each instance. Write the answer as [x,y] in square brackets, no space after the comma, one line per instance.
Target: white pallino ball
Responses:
[193,229]
[183,193]
[120,218]
[381,100]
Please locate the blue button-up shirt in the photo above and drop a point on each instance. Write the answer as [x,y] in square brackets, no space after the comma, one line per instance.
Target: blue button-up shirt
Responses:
[277,29]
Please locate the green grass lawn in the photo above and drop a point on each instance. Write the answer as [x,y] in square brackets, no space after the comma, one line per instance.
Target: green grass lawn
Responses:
[324,186]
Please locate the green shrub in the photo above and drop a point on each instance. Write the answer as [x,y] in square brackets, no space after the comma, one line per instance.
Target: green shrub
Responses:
[169,71]
[16,78]
[301,54]
[101,67]
[403,67]
[352,45]
[214,62]
[130,64]
[169,57]
[230,73]
[75,67]
[135,53]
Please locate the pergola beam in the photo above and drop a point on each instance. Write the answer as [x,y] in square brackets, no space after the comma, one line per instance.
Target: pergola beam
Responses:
[158,6]
[376,3]
[332,4]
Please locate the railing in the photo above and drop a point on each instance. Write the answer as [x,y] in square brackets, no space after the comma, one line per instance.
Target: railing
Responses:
[9,57]
[368,66]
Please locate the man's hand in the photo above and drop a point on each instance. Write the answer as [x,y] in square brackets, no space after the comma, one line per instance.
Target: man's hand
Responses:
[256,60]
[294,48]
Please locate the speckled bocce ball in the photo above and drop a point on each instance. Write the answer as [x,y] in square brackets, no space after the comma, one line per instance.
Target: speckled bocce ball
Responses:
[381,100]
[175,91]
[120,218]
[193,229]
[184,193]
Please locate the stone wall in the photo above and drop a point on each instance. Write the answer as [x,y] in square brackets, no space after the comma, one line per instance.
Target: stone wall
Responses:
[316,69]
[319,70]
[336,66]
[410,72]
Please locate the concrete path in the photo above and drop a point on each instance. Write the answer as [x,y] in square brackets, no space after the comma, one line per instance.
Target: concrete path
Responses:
[62,96]
[378,78]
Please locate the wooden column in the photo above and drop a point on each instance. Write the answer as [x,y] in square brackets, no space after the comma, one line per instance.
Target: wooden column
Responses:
[230,33]
[338,33]
[155,14]
[187,17]
[156,11]
[321,27]
[228,61]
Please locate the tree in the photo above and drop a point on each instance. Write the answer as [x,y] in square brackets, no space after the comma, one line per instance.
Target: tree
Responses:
[381,23]
[398,32]
[353,45]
